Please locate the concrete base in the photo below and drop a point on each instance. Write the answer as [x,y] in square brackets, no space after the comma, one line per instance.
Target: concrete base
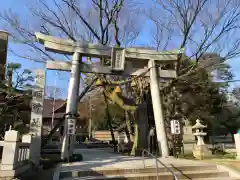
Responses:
[201,152]
[9,174]
[188,140]
[188,147]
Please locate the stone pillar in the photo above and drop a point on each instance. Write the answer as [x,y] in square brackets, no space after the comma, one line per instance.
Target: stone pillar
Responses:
[237,144]
[188,138]
[37,115]
[10,150]
[157,109]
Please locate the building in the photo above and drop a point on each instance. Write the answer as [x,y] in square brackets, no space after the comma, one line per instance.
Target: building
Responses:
[3,53]
[48,113]
[59,112]
[3,59]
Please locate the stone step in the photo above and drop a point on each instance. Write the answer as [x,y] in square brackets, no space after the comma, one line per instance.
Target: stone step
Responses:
[204,174]
[106,172]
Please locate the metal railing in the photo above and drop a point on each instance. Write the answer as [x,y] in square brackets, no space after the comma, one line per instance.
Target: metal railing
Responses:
[158,161]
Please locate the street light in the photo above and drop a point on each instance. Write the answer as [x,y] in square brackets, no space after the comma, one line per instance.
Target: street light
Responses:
[54,98]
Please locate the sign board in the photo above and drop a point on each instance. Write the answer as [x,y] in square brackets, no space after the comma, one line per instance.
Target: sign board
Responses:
[36,114]
[118,59]
[71,126]
[175,127]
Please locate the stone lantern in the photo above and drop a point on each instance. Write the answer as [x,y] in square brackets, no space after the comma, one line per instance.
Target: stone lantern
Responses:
[200,150]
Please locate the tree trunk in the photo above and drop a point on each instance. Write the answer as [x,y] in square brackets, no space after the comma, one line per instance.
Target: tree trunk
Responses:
[129,129]
[136,140]
[110,124]
[142,120]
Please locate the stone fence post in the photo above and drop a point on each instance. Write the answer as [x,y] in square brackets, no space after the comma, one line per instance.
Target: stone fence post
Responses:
[10,150]
[27,138]
[237,144]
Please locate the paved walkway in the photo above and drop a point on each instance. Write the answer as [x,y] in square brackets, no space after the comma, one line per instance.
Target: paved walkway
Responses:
[231,163]
[98,159]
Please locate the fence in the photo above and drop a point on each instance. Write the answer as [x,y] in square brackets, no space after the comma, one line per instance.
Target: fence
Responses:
[221,139]
[223,143]
[103,135]
[15,154]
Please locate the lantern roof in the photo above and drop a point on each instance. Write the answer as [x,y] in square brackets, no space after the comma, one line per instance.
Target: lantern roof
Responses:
[198,125]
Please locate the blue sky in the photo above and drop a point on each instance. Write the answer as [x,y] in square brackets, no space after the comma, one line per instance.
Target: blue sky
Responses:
[62,81]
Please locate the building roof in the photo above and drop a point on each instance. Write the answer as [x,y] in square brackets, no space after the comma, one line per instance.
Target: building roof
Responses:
[48,108]
[59,111]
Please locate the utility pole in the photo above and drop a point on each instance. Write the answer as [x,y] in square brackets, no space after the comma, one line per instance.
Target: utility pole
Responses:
[54,99]
[90,120]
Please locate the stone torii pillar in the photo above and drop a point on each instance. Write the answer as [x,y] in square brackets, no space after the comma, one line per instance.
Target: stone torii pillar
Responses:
[72,104]
[157,109]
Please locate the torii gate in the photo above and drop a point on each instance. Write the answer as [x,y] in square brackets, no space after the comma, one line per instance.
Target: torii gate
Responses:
[128,61]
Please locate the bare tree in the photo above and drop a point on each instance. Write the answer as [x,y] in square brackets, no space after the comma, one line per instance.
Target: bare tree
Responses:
[198,26]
